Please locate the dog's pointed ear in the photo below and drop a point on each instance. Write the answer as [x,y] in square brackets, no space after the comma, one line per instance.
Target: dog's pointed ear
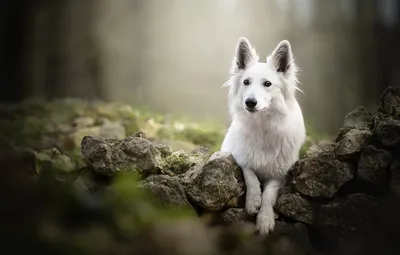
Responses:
[282,57]
[244,55]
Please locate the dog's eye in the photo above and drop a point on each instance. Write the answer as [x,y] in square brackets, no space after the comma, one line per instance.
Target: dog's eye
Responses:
[267,83]
[246,82]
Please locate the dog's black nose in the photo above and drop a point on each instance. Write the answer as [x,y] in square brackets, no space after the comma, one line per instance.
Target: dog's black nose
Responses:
[251,102]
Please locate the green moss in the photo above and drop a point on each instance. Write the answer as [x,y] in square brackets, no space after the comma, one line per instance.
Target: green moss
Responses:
[53,159]
[164,149]
[304,149]
[77,157]
[177,163]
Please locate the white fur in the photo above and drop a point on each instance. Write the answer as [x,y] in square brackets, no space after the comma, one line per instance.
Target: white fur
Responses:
[265,143]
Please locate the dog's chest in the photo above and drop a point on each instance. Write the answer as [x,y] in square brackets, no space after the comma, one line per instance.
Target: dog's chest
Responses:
[268,152]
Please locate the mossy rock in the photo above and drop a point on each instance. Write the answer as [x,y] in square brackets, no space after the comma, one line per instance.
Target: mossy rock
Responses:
[178,162]
[77,157]
[164,149]
[53,159]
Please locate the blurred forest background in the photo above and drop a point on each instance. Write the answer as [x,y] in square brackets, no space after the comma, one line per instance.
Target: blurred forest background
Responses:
[173,56]
[107,69]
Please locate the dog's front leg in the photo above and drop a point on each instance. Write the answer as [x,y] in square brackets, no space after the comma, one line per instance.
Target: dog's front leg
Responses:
[253,191]
[265,218]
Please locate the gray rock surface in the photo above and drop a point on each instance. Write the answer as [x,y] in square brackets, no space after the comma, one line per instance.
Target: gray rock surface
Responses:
[168,189]
[322,192]
[352,143]
[390,102]
[315,150]
[321,175]
[164,149]
[294,206]
[198,158]
[355,215]
[233,216]
[395,176]
[176,163]
[388,133]
[218,185]
[297,230]
[373,165]
[108,156]
[360,119]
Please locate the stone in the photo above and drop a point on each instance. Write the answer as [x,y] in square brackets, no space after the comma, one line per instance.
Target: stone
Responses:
[218,185]
[168,190]
[198,158]
[395,176]
[295,230]
[140,134]
[220,154]
[355,215]
[390,102]
[53,159]
[287,238]
[352,143]
[108,156]
[177,163]
[77,136]
[321,176]
[315,149]
[388,133]
[164,149]
[294,206]
[233,216]
[373,165]
[360,119]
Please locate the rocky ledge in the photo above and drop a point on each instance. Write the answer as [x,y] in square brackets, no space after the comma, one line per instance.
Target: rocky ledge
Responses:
[333,195]
[340,198]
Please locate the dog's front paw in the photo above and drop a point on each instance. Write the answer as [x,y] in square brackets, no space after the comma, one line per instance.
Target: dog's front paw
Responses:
[253,202]
[265,221]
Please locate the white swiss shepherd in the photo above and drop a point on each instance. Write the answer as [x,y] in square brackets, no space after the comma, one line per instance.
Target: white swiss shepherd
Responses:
[267,128]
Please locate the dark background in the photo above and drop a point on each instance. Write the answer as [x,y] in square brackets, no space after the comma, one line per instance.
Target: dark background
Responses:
[347,50]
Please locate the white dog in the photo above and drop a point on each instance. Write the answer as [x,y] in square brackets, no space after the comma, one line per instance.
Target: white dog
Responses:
[267,128]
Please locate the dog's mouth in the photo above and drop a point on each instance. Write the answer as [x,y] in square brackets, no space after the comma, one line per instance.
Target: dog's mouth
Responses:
[252,110]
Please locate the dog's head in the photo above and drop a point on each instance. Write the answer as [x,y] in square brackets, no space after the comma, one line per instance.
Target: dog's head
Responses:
[256,86]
